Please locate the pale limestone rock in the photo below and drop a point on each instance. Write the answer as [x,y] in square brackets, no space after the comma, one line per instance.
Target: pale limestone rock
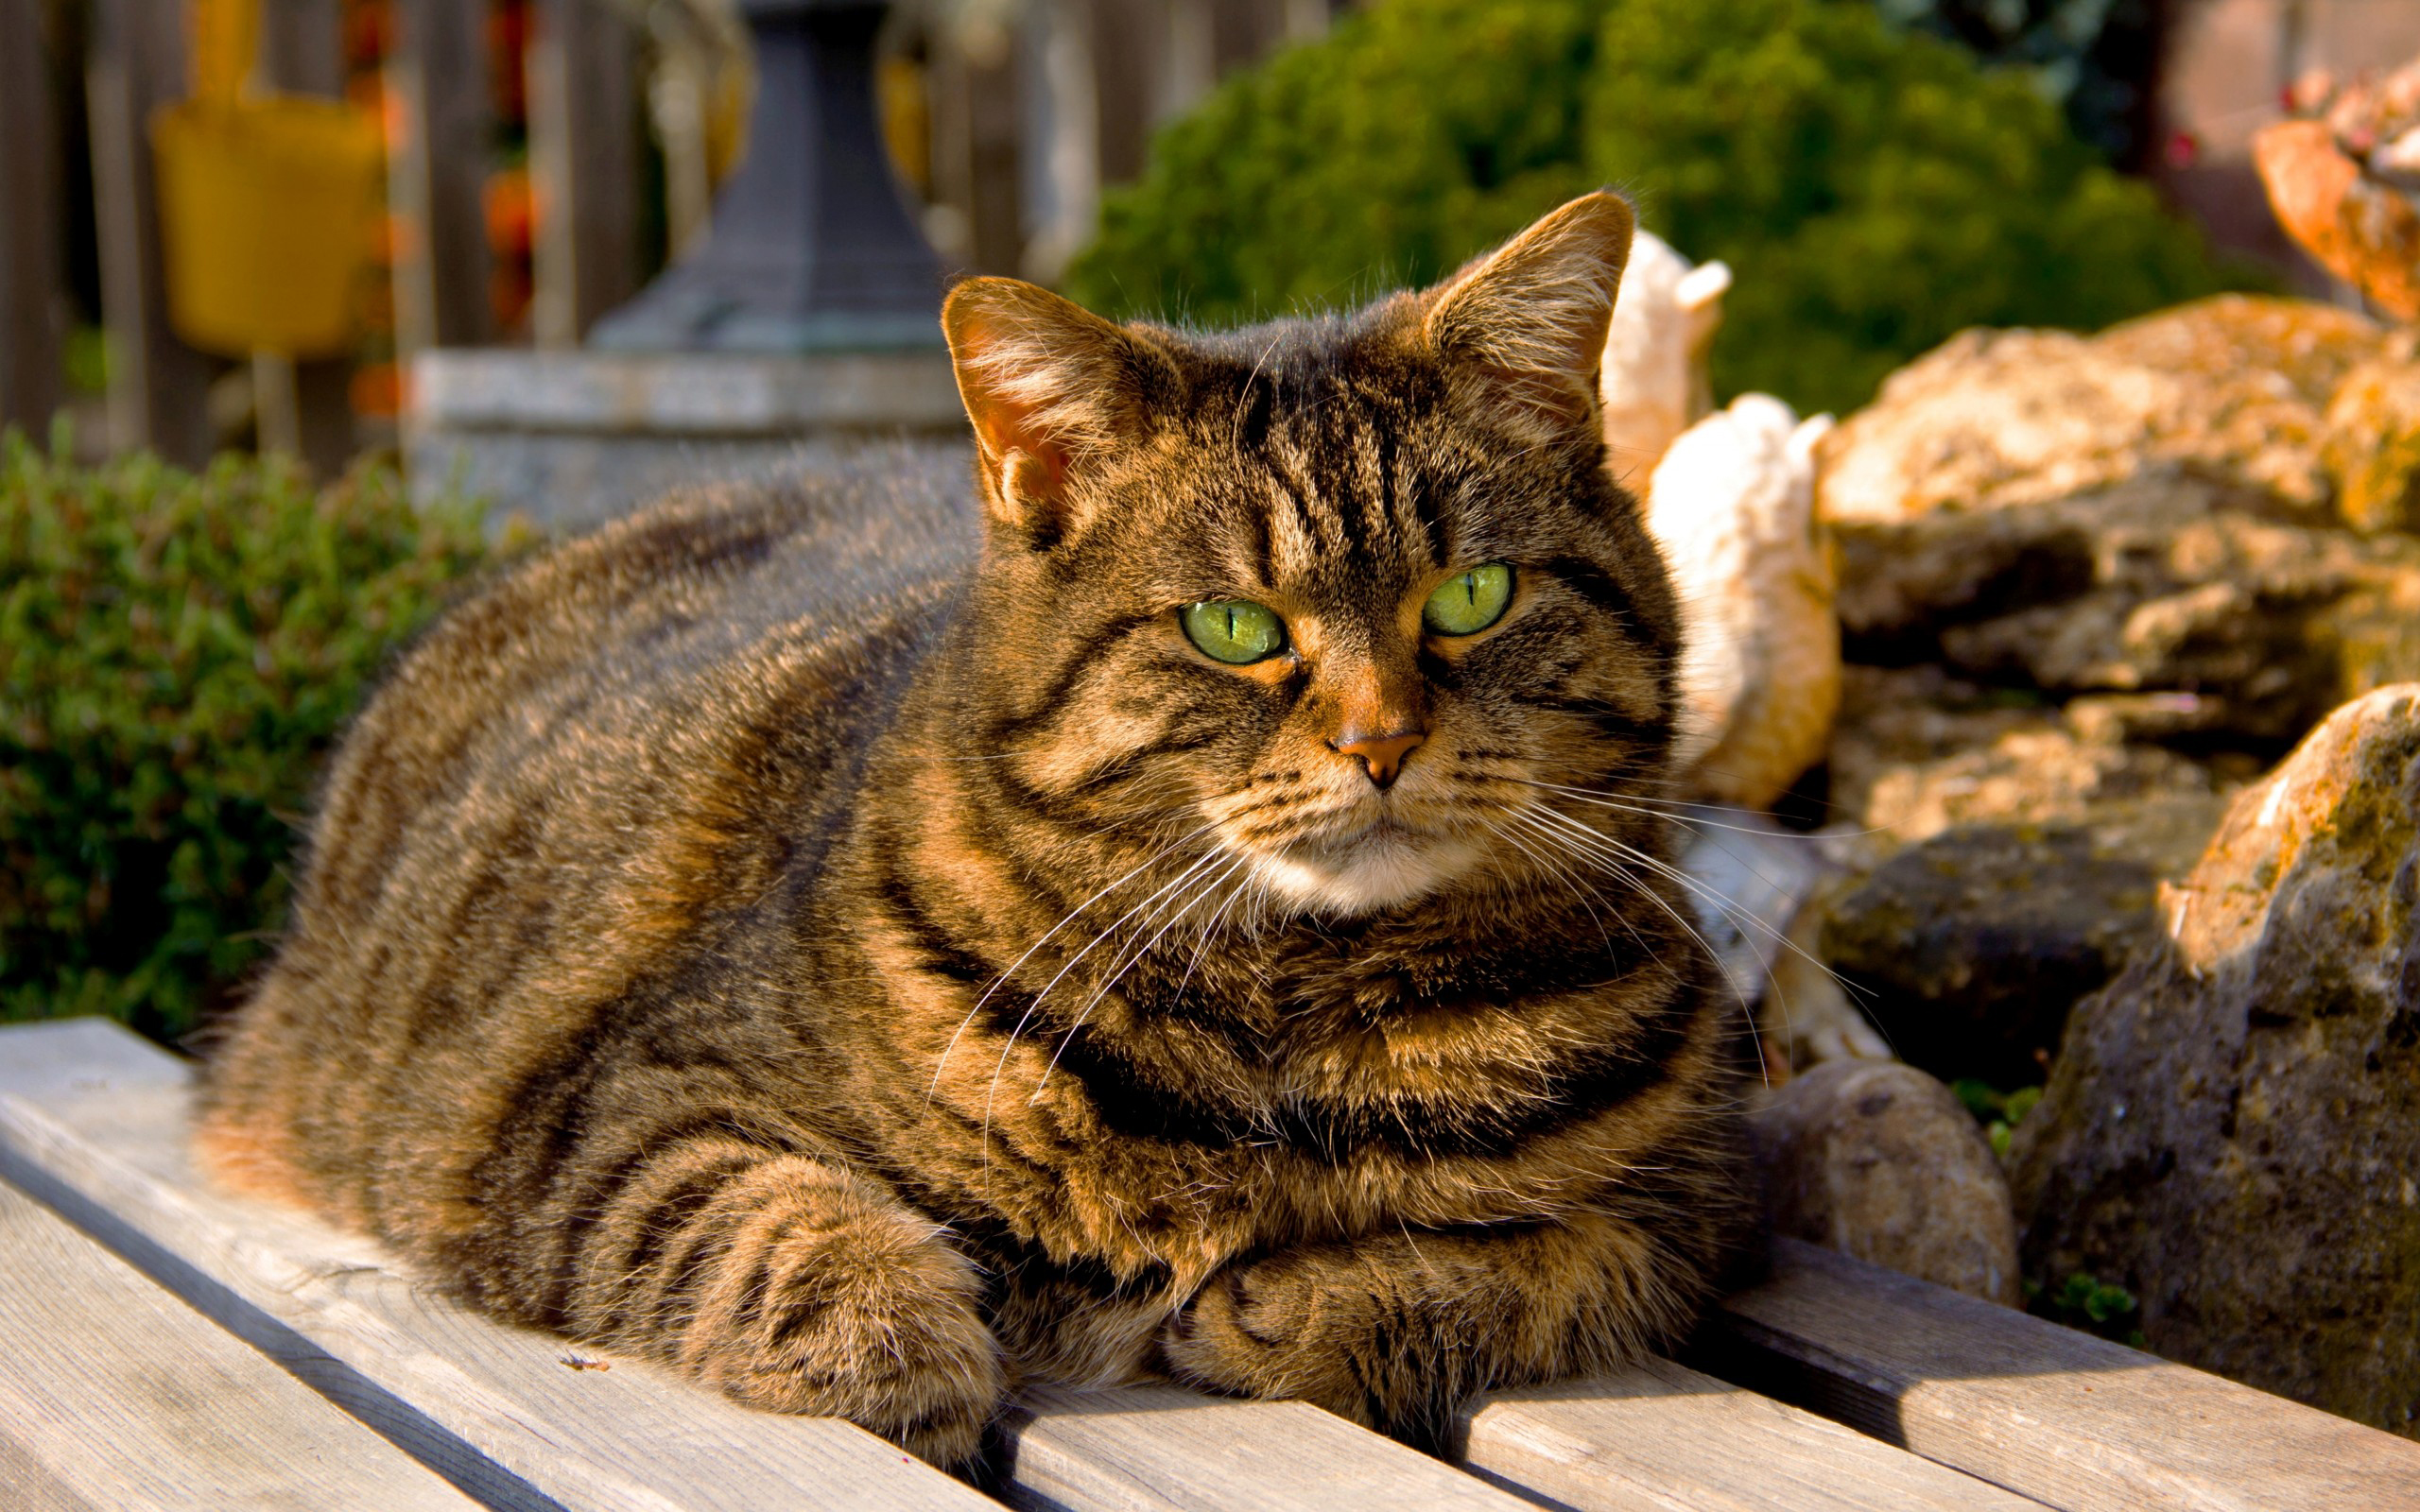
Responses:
[1732,505]
[1877,1159]
[2235,388]
[1653,382]
[2373,447]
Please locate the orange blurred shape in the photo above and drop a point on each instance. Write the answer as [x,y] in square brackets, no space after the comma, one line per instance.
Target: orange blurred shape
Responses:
[371,92]
[2362,232]
[378,390]
[397,239]
[509,210]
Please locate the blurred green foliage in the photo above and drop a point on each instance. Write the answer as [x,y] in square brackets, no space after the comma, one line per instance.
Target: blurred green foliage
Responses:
[175,653]
[1999,1112]
[2086,1302]
[1874,188]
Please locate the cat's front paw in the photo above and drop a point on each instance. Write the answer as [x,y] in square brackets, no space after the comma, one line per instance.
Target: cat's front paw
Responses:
[869,1316]
[1298,1325]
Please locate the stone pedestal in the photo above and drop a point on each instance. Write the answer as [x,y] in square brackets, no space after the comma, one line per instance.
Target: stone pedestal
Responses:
[573,439]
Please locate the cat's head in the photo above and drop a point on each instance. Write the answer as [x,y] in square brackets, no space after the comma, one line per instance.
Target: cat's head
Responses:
[1320,602]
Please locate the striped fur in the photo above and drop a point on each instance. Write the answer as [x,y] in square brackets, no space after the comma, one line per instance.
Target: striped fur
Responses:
[863,956]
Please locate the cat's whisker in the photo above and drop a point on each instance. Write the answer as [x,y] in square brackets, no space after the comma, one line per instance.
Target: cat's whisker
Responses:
[1739,918]
[1580,889]
[1612,854]
[1210,931]
[1127,963]
[1678,811]
[1598,800]
[1035,1006]
[943,1064]
[1559,844]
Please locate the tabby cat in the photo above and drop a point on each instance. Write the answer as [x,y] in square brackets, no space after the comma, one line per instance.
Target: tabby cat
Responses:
[1209,918]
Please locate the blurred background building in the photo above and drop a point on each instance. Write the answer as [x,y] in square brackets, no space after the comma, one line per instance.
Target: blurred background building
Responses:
[540,161]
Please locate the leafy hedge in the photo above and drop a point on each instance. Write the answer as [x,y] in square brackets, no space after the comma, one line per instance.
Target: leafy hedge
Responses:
[1875,189]
[175,653]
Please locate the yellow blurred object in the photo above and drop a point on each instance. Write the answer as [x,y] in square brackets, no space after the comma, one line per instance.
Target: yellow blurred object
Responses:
[223,38]
[266,204]
[266,211]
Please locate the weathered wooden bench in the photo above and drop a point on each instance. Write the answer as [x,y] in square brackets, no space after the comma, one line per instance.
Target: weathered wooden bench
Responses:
[164,1346]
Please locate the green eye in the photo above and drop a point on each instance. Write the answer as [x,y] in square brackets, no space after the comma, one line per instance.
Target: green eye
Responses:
[1234,630]
[1469,602]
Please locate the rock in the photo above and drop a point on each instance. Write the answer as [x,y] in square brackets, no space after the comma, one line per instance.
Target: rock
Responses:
[2232,1128]
[2373,446]
[2364,231]
[2168,581]
[1918,751]
[2236,385]
[1968,949]
[1653,384]
[1732,505]
[1879,1161]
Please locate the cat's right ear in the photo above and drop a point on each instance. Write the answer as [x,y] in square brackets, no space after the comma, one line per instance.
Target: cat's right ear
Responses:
[1048,387]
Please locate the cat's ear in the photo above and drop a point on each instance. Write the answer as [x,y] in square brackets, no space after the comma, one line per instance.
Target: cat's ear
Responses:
[1522,330]
[1048,386]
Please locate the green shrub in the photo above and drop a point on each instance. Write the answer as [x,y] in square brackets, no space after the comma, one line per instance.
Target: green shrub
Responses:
[175,652]
[1874,189]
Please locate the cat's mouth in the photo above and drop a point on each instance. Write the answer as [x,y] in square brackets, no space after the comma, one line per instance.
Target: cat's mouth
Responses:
[1383,861]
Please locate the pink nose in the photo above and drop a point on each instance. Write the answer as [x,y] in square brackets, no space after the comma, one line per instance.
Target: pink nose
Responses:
[1382,754]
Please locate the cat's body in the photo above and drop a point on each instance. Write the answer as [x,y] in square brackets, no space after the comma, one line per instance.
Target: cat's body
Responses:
[757,939]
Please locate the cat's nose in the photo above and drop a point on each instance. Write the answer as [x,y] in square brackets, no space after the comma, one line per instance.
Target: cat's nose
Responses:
[1382,754]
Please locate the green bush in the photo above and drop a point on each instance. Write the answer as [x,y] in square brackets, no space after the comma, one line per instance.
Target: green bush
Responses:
[175,653]
[1874,189]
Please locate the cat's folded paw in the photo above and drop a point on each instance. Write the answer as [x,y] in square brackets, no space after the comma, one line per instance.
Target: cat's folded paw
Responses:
[866,1313]
[1281,1327]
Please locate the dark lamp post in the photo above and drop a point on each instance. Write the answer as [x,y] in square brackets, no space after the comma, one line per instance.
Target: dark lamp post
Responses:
[811,249]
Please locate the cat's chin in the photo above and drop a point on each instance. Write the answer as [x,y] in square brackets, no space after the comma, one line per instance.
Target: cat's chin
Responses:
[1383,867]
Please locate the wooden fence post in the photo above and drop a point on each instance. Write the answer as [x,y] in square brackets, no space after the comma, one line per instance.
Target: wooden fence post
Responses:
[29,251]
[975,145]
[583,167]
[302,53]
[438,75]
[159,387]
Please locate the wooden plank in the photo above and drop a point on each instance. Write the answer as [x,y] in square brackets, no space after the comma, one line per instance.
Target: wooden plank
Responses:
[92,1122]
[116,1394]
[438,76]
[583,167]
[1660,1437]
[1156,1448]
[159,387]
[2059,1415]
[93,1118]
[30,215]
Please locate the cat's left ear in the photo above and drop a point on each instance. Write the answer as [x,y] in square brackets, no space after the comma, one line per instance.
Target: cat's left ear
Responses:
[1523,329]
[1049,386]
